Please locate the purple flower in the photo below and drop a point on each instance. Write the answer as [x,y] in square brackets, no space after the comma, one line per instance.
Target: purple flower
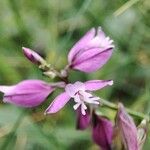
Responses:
[33,56]
[102,132]
[83,121]
[91,52]
[28,93]
[127,129]
[80,92]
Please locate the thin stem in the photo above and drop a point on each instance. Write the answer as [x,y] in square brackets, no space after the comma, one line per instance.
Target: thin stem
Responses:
[113,106]
[51,72]
[124,7]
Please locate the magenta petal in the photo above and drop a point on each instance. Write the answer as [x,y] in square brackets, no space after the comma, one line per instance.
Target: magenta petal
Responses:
[58,103]
[81,44]
[28,93]
[102,132]
[33,56]
[94,85]
[92,60]
[127,129]
[83,121]
[91,52]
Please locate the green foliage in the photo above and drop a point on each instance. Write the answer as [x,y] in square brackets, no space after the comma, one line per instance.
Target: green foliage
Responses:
[51,27]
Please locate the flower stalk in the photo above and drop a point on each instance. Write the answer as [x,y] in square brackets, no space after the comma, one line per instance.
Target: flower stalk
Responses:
[105,103]
[51,72]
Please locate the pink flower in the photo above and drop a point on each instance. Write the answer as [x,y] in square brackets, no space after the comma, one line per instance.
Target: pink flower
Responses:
[33,56]
[102,132]
[28,93]
[80,92]
[91,52]
[83,121]
[127,129]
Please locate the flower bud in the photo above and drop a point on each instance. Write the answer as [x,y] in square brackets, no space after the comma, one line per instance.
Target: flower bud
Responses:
[127,129]
[50,74]
[102,132]
[33,56]
[28,93]
[83,121]
[142,133]
[91,52]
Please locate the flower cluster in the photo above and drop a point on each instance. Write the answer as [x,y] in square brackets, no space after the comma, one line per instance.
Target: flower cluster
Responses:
[89,54]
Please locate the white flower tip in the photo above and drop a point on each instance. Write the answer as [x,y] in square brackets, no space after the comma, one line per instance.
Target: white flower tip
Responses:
[99,28]
[97,103]
[144,122]
[26,51]
[75,107]
[25,48]
[46,112]
[93,30]
[111,82]
[83,113]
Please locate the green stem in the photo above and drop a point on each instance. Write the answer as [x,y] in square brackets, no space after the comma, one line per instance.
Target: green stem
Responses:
[47,68]
[124,7]
[113,106]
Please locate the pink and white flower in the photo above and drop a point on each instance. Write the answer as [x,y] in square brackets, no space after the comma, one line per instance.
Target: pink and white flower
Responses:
[80,92]
[91,52]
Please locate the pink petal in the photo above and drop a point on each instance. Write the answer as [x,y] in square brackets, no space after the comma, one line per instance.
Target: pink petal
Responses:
[100,40]
[102,132]
[83,121]
[6,89]
[72,89]
[58,103]
[28,93]
[127,129]
[94,85]
[92,60]
[92,52]
[81,44]
[106,42]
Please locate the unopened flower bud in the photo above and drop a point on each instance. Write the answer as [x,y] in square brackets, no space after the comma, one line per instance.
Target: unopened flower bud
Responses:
[28,93]
[83,121]
[50,74]
[102,132]
[33,56]
[127,129]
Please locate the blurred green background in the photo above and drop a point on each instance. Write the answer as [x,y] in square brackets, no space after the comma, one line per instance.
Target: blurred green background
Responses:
[51,27]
